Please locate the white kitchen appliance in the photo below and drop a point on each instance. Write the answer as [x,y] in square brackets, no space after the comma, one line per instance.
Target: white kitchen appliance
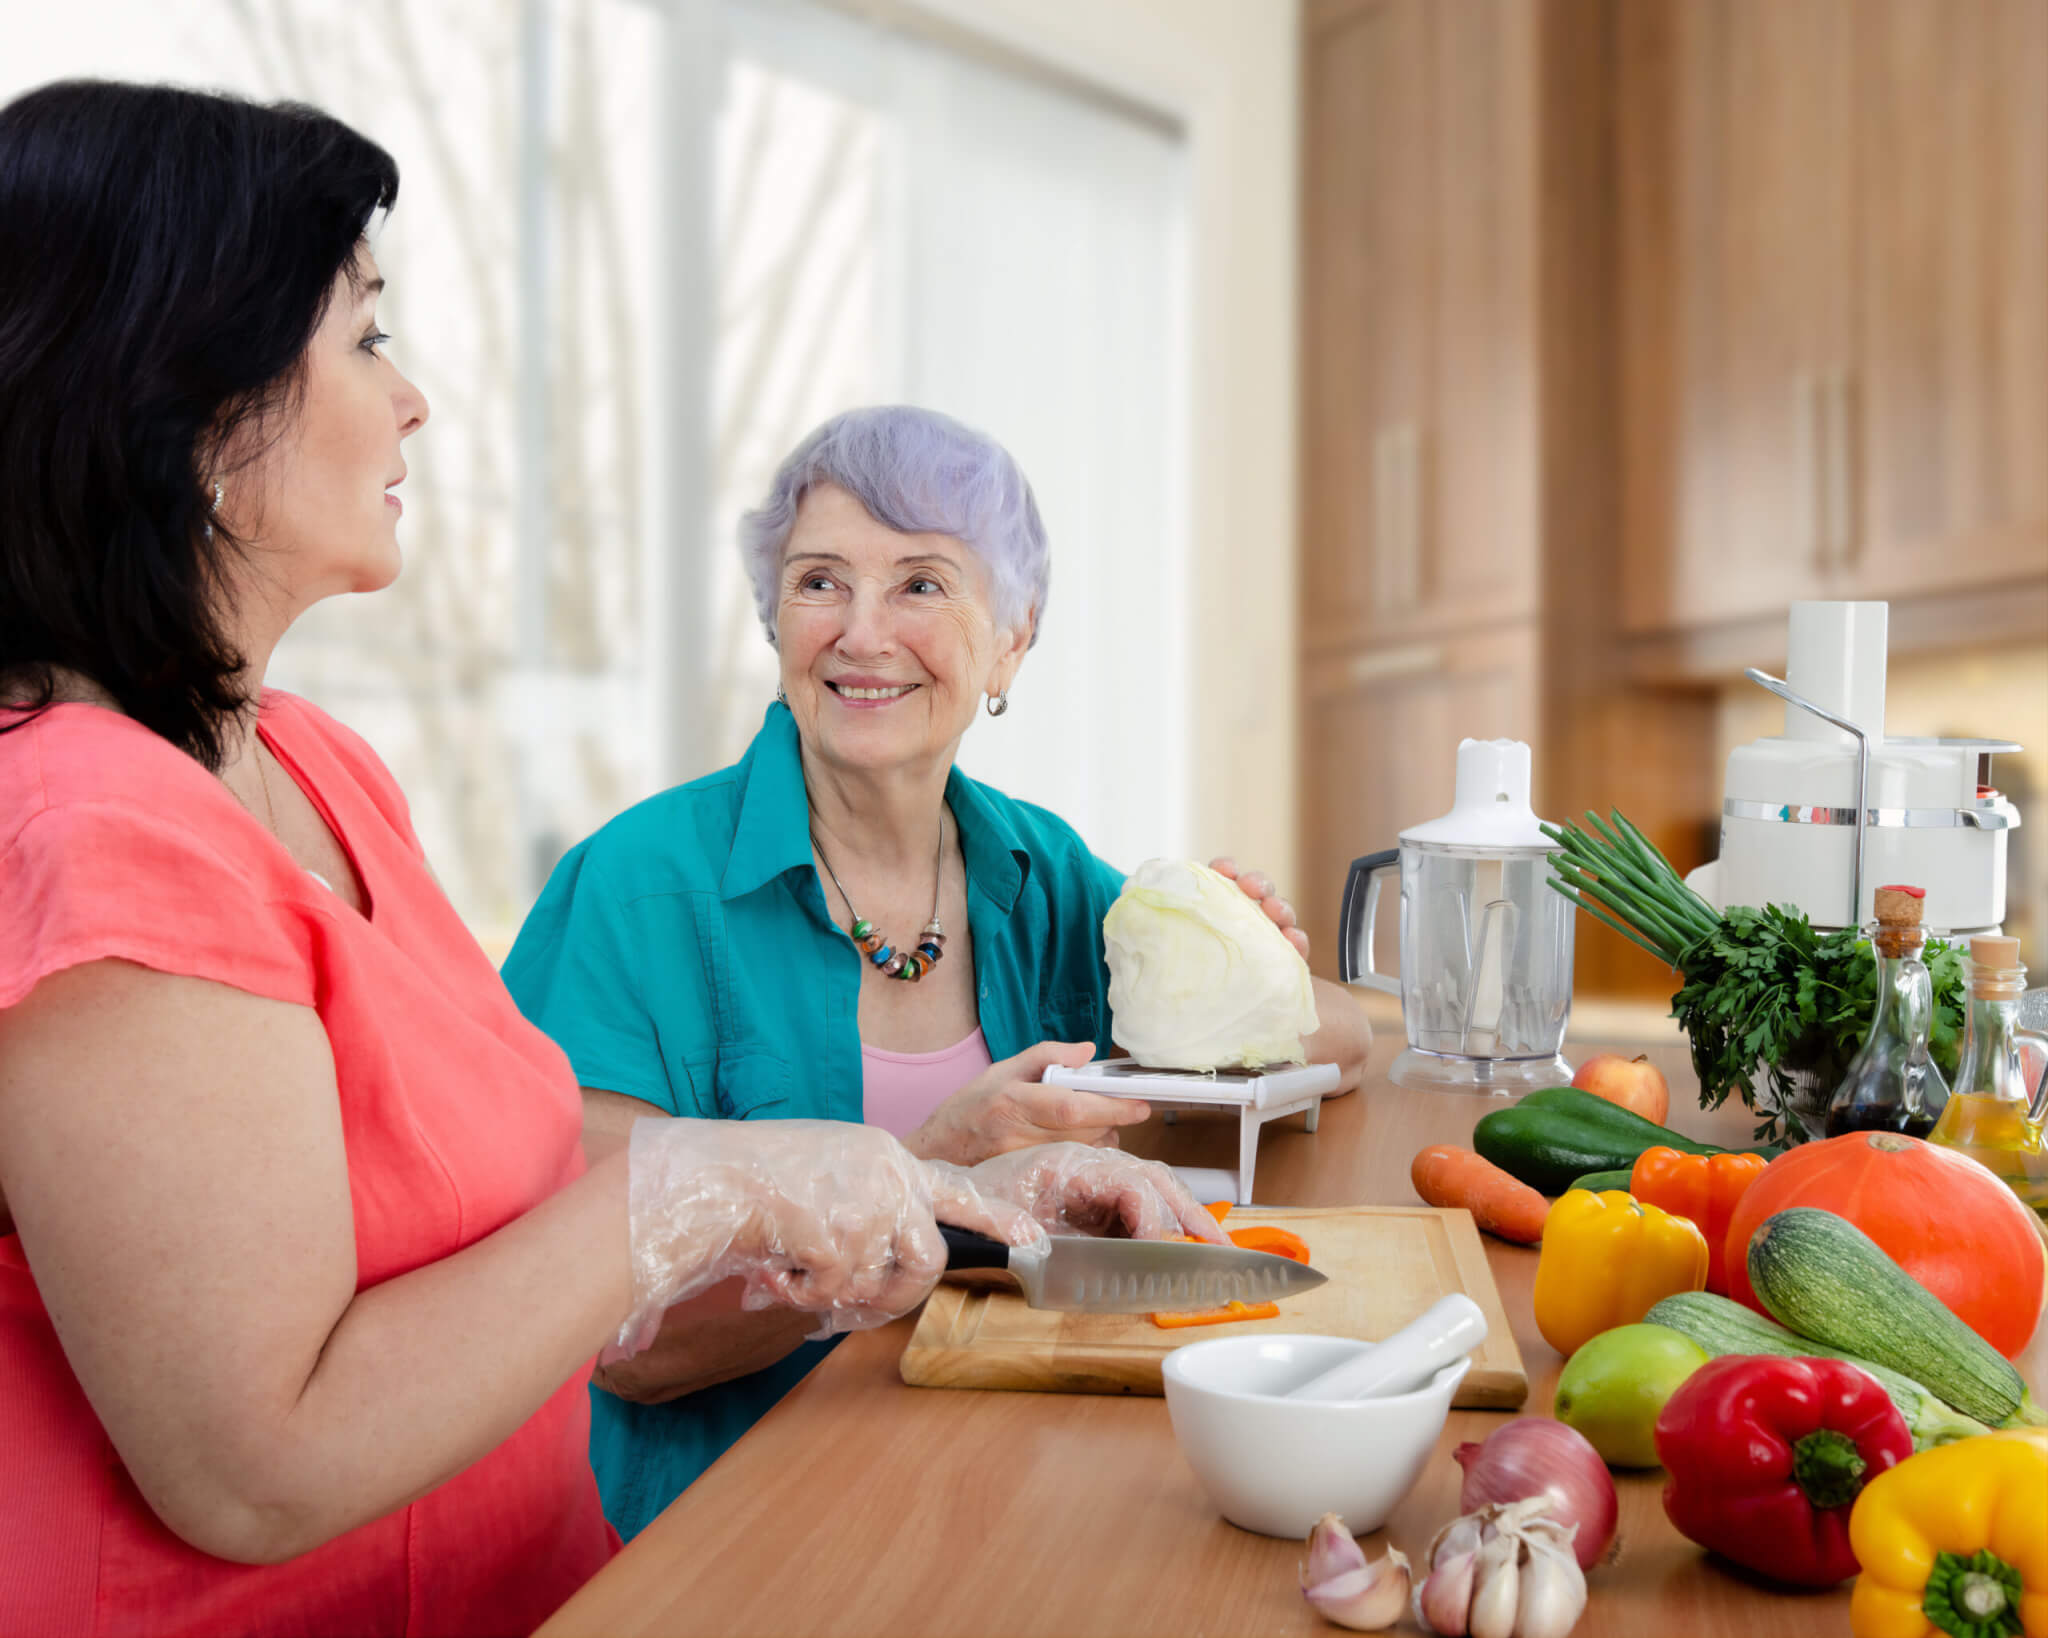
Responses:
[1486,939]
[1823,814]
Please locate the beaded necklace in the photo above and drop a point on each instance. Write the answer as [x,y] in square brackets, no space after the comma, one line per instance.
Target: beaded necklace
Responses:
[931,944]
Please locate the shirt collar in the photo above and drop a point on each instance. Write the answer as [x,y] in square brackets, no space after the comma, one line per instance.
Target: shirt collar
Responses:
[773,831]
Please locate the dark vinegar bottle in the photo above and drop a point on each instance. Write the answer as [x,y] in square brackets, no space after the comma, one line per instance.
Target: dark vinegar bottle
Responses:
[1892,1084]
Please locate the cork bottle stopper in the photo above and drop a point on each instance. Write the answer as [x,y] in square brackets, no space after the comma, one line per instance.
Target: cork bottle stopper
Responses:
[1900,906]
[1995,970]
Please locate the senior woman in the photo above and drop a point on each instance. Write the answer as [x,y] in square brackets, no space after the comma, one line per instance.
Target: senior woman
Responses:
[842,924]
[302,1267]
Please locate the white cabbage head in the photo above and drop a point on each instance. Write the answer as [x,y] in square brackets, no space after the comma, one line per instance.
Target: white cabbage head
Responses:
[1199,977]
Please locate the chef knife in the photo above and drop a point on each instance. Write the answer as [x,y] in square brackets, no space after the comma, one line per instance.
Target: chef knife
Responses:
[1082,1274]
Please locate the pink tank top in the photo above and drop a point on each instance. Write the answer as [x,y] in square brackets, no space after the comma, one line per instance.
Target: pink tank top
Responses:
[899,1089]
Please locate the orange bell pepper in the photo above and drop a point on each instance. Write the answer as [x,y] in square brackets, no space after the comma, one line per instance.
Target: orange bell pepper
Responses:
[1703,1189]
[1171,1321]
[1259,1237]
[1265,1237]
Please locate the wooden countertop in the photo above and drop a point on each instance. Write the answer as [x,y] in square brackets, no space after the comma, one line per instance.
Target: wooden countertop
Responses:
[860,1506]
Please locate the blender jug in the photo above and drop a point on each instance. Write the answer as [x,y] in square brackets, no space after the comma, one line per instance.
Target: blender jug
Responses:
[1486,943]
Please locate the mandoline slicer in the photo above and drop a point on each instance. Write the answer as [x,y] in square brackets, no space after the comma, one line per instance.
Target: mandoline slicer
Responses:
[1259,1095]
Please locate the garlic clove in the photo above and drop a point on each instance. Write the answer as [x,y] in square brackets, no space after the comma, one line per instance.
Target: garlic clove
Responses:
[1455,1539]
[1366,1599]
[1552,1596]
[1496,1589]
[1444,1600]
[1332,1551]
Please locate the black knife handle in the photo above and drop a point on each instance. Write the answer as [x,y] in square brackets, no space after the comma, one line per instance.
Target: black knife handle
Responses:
[966,1249]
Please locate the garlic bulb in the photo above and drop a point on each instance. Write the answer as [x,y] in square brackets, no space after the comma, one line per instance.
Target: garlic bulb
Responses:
[1199,977]
[1343,1588]
[1506,1571]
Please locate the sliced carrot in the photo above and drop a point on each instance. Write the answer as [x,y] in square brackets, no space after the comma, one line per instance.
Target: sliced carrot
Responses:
[1446,1175]
[1218,1209]
[1265,1237]
[1171,1321]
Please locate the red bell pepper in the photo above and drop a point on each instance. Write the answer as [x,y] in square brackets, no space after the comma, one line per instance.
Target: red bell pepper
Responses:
[1767,1455]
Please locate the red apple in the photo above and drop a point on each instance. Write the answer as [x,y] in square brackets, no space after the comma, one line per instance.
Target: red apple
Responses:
[1634,1083]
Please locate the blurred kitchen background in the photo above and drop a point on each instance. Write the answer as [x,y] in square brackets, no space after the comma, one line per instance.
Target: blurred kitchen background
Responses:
[1388,371]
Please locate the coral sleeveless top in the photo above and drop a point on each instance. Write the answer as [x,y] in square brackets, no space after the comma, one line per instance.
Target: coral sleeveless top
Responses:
[457,1115]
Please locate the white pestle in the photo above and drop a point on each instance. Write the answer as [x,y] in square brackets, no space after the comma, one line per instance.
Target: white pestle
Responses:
[1449,1328]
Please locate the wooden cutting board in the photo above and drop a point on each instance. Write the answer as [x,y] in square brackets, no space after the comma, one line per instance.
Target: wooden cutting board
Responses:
[1386,1265]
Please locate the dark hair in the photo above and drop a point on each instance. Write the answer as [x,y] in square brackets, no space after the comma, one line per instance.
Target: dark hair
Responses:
[165,258]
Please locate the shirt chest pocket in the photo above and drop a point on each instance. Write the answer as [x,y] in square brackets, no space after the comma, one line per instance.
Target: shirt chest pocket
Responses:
[1071,1016]
[749,1084]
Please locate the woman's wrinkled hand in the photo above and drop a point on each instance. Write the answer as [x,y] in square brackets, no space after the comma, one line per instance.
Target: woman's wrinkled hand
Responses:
[1072,1188]
[837,1220]
[1008,1107]
[1258,885]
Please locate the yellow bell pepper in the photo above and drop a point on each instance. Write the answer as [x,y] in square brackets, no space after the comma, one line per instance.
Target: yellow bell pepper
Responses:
[1955,1540]
[1607,1261]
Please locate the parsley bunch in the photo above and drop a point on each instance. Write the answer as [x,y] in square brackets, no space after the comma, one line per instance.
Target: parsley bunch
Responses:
[1764,993]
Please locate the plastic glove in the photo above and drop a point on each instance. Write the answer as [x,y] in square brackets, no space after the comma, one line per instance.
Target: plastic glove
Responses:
[1074,1188]
[824,1216]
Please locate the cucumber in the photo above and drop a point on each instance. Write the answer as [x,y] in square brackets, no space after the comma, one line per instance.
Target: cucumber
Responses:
[1825,1278]
[1724,1327]
[1554,1137]
[1601,1182]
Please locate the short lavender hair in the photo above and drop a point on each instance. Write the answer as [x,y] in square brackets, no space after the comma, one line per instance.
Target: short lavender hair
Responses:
[917,472]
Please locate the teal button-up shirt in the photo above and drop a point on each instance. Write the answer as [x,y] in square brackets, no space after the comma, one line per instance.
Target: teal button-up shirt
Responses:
[684,955]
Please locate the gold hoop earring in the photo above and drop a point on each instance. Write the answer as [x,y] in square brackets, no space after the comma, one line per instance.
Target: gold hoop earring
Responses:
[999,703]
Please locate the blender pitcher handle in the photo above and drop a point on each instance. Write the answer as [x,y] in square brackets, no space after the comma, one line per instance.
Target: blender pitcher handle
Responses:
[1355,921]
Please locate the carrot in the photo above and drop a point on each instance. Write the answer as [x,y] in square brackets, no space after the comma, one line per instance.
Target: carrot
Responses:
[1172,1321]
[1445,1175]
[1218,1209]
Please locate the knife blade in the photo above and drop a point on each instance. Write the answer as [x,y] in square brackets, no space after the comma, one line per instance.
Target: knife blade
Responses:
[1078,1273]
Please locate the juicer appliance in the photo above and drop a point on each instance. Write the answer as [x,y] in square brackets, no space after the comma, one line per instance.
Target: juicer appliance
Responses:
[1825,812]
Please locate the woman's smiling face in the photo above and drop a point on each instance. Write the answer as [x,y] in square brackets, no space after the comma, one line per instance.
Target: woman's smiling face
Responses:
[888,642]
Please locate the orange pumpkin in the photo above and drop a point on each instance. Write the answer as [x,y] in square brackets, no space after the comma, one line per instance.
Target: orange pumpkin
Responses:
[1939,1215]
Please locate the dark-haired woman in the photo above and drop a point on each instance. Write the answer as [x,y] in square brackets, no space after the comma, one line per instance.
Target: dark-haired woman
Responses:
[301,1264]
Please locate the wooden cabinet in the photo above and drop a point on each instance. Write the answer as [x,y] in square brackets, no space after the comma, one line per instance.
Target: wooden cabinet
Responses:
[1735,259]
[1419,471]
[1945,402]
[1835,300]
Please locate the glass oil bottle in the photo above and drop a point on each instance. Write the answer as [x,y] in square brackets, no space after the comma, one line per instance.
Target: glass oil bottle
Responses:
[1993,1116]
[1892,1084]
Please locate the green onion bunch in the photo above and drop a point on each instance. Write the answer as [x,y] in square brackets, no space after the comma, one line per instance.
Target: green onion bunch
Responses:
[1763,990]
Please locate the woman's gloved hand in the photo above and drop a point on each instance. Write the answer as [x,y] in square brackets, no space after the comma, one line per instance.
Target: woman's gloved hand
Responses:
[1073,1188]
[824,1216]
[1008,1106]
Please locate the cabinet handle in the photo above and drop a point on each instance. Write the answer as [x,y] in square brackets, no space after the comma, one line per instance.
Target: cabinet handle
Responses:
[1396,518]
[1843,534]
[1385,519]
[1411,513]
[1810,440]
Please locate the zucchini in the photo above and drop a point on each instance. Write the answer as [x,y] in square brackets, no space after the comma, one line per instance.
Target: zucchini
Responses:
[1724,1327]
[1554,1137]
[1825,1278]
[1601,1182]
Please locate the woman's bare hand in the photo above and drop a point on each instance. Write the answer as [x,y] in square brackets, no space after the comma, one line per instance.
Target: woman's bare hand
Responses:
[1009,1107]
[1259,886]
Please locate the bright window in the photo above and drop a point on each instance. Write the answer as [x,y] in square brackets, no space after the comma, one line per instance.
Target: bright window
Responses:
[641,248]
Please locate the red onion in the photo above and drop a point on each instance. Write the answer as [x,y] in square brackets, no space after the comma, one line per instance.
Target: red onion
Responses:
[1533,1456]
